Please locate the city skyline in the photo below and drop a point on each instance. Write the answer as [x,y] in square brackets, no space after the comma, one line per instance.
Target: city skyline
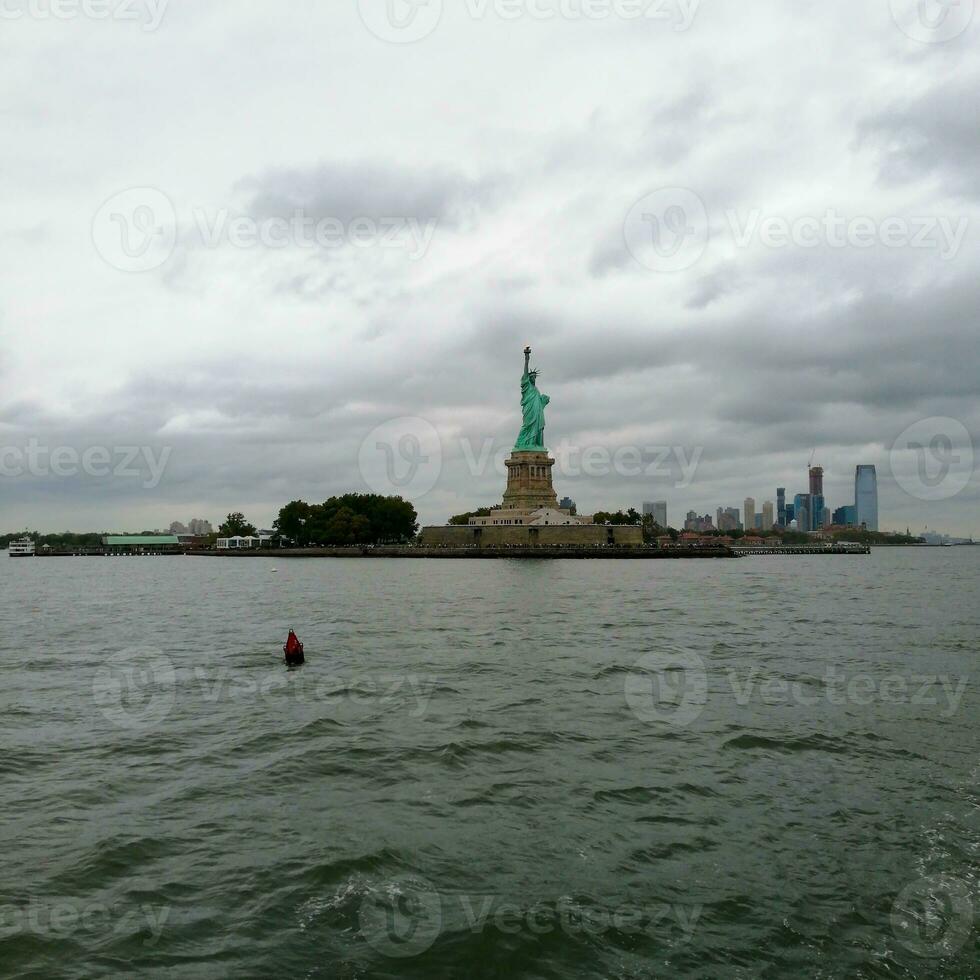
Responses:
[809,511]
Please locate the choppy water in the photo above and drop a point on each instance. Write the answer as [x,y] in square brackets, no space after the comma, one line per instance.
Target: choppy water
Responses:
[491,769]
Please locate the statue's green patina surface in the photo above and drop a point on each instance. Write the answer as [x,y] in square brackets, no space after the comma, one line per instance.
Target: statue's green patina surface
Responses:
[533,404]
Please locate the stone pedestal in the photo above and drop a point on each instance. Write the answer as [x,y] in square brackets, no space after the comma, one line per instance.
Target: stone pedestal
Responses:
[529,482]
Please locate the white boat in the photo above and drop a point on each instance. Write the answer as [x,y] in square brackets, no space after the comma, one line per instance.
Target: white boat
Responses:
[21,549]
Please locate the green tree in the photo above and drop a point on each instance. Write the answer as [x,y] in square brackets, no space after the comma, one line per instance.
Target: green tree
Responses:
[292,522]
[235,526]
[652,530]
[629,519]
[461,520]
[351,519]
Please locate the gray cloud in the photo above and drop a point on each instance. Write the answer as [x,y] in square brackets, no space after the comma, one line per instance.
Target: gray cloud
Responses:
[369,189]
[934,134]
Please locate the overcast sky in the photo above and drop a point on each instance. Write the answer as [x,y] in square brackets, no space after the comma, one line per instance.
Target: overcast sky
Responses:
[241,237]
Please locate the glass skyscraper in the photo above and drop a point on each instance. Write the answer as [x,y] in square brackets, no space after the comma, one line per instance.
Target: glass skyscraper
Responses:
[866,496]
[801,512]
[656,509]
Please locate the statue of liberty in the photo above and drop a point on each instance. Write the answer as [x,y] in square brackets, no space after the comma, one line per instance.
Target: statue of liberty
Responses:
[533,403]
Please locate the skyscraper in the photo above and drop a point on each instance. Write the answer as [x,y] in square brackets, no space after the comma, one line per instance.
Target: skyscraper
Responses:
[817,503]
[657,510]
[728,519]
[802,512]
[767,515]
[748,514]
[866,496]
[817,507]
[781,506]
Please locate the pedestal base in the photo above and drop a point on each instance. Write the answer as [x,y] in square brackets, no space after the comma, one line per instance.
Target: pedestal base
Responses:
[529,482]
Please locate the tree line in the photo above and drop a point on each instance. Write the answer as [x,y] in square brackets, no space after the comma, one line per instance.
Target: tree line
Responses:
[354,518]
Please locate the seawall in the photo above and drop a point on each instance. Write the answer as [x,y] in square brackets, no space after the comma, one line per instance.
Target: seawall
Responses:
[605,553]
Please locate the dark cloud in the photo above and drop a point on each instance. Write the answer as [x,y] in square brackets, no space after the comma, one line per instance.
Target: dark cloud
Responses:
[368,189]
[714,286]
[933,134]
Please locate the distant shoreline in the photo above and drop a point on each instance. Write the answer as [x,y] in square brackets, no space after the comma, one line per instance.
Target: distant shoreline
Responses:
[538,553]
[417,553]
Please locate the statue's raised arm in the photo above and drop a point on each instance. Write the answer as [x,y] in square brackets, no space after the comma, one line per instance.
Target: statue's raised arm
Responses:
[527,360]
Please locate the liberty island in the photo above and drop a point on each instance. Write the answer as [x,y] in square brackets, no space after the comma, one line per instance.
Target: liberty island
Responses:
[529,515]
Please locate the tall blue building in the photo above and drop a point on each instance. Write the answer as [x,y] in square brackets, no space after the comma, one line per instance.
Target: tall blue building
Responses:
[802,512]
[866,496]
[781,507]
